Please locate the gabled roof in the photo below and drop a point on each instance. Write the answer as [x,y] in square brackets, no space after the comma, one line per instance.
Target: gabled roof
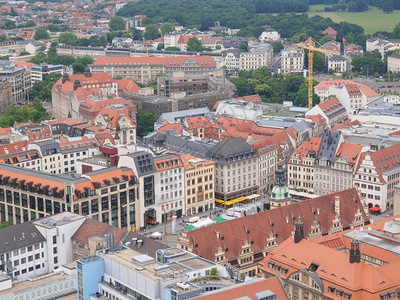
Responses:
[305,147]
[350,152]
[279,222]
[91,228]
[384,160]
[19,236]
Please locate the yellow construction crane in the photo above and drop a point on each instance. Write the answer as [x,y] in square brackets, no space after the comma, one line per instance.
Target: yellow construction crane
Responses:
[311,48]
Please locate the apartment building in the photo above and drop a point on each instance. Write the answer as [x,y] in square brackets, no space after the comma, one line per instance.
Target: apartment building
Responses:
[6,95]
[20,79]
[179,83]
[199,176]
[337,63]
[257,58]
[146,69]
[292,60]
[106,195]
[331,110]
[231,59]
[301,165]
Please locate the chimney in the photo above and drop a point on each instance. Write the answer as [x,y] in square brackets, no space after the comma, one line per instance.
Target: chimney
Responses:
[109,240]
[65,77]
[318,210]
[337,205]
[77,83]
[134,241]
[355,255]
[87,72]
[299,231]
[287,220]
[139,243]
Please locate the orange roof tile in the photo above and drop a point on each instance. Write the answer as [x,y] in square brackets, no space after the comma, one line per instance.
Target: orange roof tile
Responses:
[305,147]
[166,61]
[187,160]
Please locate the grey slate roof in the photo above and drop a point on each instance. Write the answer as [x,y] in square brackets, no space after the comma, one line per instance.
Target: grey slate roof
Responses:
[48,147]
[328,146]
[144,162]
[19,236]
[149,246]
[233,149]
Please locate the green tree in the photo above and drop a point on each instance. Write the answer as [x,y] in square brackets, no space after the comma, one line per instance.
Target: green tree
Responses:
[23,53]
[117,23]
[5,224]
[9,24]
[277,46]
[68,38]
[396,31]
[53,28]
[167,28]
[41,34]
[145,122]
[243,47]
[194,44]
[172,49]
[151,32]
[30,23]
[242,86]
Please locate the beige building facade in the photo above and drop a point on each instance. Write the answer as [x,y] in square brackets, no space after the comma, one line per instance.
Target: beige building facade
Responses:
[199,176]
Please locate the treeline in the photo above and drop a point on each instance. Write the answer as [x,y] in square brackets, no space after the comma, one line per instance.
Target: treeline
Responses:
[203,14]
[302,26]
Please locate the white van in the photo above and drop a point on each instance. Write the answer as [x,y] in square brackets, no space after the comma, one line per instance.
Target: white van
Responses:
[193,220]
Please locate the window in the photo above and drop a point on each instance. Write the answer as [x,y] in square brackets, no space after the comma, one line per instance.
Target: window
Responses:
[54,239]
[339,293]
[56,260]
[55,250]
[30,258]
[331,289]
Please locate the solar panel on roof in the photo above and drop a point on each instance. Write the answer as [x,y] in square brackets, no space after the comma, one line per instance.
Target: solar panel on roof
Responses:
[43,221]
[51,222]
[65,219]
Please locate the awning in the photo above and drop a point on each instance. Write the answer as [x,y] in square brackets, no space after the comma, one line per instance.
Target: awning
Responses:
[219,219]
[231,202]
[375,208]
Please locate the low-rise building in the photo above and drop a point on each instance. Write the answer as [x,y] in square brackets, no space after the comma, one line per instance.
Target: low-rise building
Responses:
[337,63]
[256,58]
[393,63]
[39,72]
[173,273]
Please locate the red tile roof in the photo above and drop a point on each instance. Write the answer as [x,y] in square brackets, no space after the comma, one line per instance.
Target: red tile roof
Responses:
[91,228]
[306,146]
[127,86]
[256,99]
[259,226]
[184,38]
[165,61]
[384,160]
[188,159]
[326,84]
[351,152]
[177,127]
[23,64]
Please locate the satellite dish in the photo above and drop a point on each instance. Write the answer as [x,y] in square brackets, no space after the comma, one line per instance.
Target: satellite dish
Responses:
[369,228]
[361,229]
